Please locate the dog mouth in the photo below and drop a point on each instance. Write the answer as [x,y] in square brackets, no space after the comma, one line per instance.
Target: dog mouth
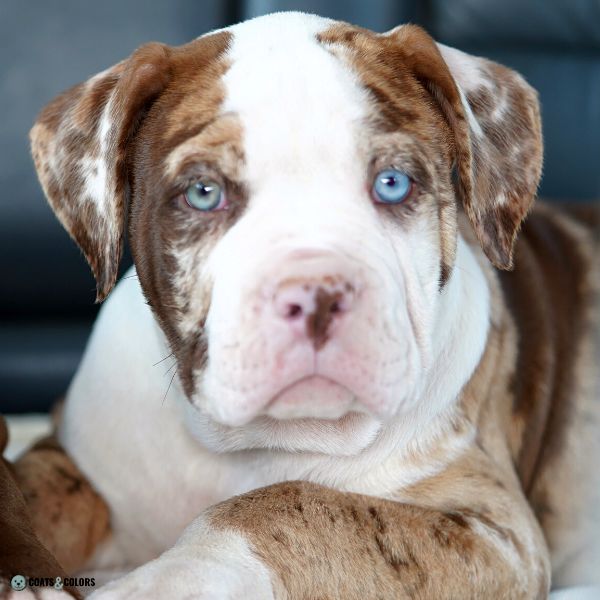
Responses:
[312,397]
[314,413]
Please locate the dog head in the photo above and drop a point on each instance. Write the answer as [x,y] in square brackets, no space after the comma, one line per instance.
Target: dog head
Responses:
[291,186]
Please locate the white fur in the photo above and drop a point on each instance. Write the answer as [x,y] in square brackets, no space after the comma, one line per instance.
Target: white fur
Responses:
[205,564]
[95,174]
[98,188]
[465,69]
[473,122]
[468,76]
[106,123]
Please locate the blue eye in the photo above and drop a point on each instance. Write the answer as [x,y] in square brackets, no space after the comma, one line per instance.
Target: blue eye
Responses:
[205,195]
[392,186]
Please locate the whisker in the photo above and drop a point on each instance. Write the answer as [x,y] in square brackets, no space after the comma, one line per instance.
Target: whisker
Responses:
[170,383]
[162,359]
[167,371]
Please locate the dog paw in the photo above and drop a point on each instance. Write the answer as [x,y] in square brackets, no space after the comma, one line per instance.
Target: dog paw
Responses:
[183,578]
[214,566]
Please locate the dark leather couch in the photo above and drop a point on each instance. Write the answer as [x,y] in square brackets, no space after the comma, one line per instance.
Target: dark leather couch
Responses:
[46,290]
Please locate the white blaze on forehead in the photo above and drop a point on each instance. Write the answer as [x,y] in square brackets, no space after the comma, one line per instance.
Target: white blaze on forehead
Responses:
[300,111]
[297,102]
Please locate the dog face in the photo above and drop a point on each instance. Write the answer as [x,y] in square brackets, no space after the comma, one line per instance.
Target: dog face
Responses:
[292,186]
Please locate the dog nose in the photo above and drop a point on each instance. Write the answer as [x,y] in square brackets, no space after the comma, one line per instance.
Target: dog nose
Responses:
[312,305]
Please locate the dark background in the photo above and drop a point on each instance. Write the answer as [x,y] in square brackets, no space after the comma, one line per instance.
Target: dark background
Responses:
[46,290]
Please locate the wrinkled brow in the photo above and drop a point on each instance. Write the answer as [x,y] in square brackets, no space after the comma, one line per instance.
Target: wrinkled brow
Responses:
[219,143]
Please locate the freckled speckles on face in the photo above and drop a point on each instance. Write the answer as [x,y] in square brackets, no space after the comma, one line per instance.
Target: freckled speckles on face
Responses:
[171,242]
[219,144]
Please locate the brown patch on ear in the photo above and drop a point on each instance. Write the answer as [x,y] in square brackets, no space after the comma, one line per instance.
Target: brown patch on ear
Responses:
[79,144]
[499,159]
[506,146]
[507,158]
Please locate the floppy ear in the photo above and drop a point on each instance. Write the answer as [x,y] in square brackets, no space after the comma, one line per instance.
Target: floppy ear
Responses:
[495,118]
[79,145]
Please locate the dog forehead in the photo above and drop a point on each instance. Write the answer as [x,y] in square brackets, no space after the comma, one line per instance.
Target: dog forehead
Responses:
[298,104]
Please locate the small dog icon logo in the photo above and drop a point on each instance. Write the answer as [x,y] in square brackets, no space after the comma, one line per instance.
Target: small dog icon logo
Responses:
[18,583]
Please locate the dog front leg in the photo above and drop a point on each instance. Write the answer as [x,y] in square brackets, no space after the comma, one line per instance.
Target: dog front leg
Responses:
[299,540]
[67,514]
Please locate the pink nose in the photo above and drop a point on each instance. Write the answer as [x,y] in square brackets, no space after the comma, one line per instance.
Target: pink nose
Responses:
[312,305]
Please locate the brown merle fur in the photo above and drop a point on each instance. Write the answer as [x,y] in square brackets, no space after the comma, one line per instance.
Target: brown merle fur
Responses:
[322,543]
[68,130]
[161,96]
[318,322]
[22,549]
[69,127]
[67,514]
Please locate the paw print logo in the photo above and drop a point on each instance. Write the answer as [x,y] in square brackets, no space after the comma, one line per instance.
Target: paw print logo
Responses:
[18,583]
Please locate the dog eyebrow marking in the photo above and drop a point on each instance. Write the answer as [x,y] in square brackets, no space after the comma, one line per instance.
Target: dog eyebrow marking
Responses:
[219,141]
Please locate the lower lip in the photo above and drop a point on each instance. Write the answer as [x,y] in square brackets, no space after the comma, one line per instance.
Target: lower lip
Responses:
[311,397]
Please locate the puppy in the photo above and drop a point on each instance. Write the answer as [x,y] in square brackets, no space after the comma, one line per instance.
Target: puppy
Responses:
[361,400]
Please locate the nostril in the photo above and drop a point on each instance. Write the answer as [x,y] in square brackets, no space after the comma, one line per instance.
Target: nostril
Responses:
[318,302]
[293,311]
